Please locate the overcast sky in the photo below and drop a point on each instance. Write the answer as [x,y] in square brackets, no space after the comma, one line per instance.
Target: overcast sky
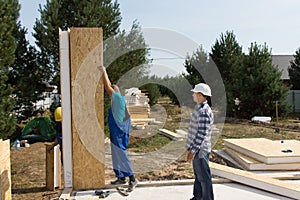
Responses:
[274,22]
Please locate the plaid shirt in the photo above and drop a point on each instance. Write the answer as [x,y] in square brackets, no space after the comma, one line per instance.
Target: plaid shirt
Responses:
[199,132]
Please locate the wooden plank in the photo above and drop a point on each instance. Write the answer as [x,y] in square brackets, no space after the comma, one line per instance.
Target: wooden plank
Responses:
[138,116]
[256,180]
[5,170]
[139,123]
[229,160]
[138,109]
[53,168]
[147,106]
[265,150]
[150,120]
[64,60]
[87,95]
[252,164]
[170,134]
[139,112]
[49,168]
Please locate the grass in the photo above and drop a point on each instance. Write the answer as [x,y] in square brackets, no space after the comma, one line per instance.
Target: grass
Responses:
[148,144]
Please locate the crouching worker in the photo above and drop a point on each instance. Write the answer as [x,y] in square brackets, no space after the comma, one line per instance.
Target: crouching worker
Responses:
[119,128]
[58,139]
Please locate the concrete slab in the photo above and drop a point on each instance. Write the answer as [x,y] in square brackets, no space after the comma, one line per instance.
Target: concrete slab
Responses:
[225,191]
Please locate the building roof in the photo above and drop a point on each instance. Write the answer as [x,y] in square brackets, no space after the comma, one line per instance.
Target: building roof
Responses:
[282,62]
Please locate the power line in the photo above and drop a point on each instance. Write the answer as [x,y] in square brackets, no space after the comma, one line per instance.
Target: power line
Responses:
[170,58]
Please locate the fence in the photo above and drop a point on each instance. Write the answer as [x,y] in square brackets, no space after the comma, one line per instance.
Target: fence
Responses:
[294,100]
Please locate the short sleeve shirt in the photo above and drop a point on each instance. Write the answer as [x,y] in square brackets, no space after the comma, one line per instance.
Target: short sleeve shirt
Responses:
[118,106]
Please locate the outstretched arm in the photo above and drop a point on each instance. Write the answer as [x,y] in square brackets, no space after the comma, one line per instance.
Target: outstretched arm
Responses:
[107,84]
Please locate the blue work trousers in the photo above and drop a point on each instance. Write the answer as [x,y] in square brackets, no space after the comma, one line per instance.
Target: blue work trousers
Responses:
[119,137]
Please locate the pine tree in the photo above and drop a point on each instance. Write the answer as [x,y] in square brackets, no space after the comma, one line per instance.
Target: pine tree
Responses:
[201,69]
[227,55]
[153,92]
[9,13]
[26,77]
[71,13]
[126,51]
[294,71]
[194,65]
[178,89]
[262,85]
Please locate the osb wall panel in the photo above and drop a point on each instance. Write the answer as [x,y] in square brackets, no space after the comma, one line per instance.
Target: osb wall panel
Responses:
[5,171]
[87,89]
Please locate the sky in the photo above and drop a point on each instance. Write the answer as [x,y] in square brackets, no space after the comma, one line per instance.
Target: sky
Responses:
[201,22]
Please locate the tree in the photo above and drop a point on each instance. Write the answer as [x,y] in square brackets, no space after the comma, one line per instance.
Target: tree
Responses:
[71,13]
[178,89]
[201,68]
[194,65]
[26,77]
[261,84]
[125,55]
[227,55]
[294,71]
[9,13]
[153,92]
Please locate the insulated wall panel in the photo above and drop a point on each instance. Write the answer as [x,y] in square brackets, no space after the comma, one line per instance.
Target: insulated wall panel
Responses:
[265,150]
[252,164]
[86,54]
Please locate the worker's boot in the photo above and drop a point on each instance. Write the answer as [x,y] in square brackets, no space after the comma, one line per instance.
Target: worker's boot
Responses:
[119,181]
[132,185]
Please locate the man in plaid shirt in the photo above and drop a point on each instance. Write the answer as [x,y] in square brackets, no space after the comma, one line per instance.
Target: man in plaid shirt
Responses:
[198,143]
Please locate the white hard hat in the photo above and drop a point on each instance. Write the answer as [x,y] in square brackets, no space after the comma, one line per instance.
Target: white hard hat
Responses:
[203,88]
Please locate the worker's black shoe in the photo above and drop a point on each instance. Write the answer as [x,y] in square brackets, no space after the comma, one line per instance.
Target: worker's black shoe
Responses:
[119,181]
[132,185]
[101,193]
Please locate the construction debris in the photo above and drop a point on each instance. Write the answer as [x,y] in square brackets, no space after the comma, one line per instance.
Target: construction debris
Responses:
[138,107]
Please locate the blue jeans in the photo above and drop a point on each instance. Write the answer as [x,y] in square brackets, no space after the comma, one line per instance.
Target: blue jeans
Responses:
[203,189]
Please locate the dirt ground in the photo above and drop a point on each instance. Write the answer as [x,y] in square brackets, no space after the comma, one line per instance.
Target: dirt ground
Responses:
[28,167]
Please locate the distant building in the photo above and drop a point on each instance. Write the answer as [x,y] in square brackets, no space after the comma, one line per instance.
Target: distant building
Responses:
[283,62]
[49,96]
